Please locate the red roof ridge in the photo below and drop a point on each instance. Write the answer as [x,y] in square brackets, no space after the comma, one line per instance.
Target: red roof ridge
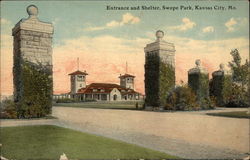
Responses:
[79,73]
[126,75]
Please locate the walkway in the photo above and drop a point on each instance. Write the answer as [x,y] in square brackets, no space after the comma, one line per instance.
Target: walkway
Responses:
[189,135]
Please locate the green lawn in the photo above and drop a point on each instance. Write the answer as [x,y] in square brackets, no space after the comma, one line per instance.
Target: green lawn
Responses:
[239,114]
[49,142]
[129,105]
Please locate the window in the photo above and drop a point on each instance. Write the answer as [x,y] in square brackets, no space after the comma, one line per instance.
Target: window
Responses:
[94,90]
[80,85]
[80,78]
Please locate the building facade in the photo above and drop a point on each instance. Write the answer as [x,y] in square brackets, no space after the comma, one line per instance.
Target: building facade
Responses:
[102,91]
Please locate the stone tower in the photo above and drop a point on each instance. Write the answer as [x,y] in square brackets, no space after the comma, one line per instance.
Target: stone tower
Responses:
[127,81]
[198,80]
[32,55]
[77,81]
[219,84]
[159,71]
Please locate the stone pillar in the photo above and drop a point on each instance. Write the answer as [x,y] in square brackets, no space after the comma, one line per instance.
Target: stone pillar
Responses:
[33,60]
[159,71]
[218,84]
[198,80]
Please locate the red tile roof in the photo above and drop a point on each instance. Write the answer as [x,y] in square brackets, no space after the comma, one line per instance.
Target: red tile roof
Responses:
[78,73]
[126,75]
[106,87]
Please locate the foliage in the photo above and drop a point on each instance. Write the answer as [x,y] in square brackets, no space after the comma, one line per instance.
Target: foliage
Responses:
[49,142]
[235,96]
[159,79]
[240,72]
[36,100]
[220,88]
[237,93]
[8,109]
[72,100]
[152,67]
[167,81]
[66,100]
[123,105]
[200,84]
[181,98]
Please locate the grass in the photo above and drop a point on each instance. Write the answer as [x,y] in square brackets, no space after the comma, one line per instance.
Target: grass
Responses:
[49,142]
[46,117]
[129,105]
[237,114]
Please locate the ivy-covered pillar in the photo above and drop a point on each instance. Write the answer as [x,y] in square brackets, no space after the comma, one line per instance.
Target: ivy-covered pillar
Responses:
[220,83]
[32,69]
[198,80]
[159,71]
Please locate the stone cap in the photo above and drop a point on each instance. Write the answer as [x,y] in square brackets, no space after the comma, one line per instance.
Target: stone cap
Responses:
[198,68]
[221,71]
[159,35]
[32,23]
[159,44]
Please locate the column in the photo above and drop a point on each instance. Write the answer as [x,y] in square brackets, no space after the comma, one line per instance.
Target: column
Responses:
[32,57]
[159,71]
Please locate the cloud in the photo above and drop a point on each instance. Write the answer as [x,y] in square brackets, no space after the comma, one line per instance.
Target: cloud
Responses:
[5,21]
[104,58]
[234,24]
[186,25]
[211,53]
[230,25]
[127,18]
[208,29]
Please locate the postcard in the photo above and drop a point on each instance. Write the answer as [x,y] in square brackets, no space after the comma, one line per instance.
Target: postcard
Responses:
[125,79]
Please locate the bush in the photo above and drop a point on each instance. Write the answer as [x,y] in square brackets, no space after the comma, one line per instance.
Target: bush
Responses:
[66,100]
[71,100]
[236,97]
[181,98]
[8,109]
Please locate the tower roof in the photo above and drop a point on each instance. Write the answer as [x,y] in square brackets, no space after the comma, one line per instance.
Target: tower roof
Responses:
[126,75]
[78,73]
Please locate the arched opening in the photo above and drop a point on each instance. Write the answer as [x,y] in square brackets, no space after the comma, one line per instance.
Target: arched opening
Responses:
[115,97]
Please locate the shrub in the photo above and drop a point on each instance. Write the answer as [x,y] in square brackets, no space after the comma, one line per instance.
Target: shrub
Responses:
[181,98]
[236,96]
[184,98]
[65,100]
[8,109]
[71,100]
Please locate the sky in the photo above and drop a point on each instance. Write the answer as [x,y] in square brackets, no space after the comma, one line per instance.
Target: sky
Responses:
[104,40]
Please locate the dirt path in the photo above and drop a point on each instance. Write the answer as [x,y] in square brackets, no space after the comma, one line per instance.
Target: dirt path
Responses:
[185,134]
[192,135]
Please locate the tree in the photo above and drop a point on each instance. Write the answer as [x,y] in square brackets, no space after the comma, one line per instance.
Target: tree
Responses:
[240,87]
[240,72]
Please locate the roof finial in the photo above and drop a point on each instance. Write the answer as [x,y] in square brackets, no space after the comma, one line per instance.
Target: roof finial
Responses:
[126,67]
[78,63]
